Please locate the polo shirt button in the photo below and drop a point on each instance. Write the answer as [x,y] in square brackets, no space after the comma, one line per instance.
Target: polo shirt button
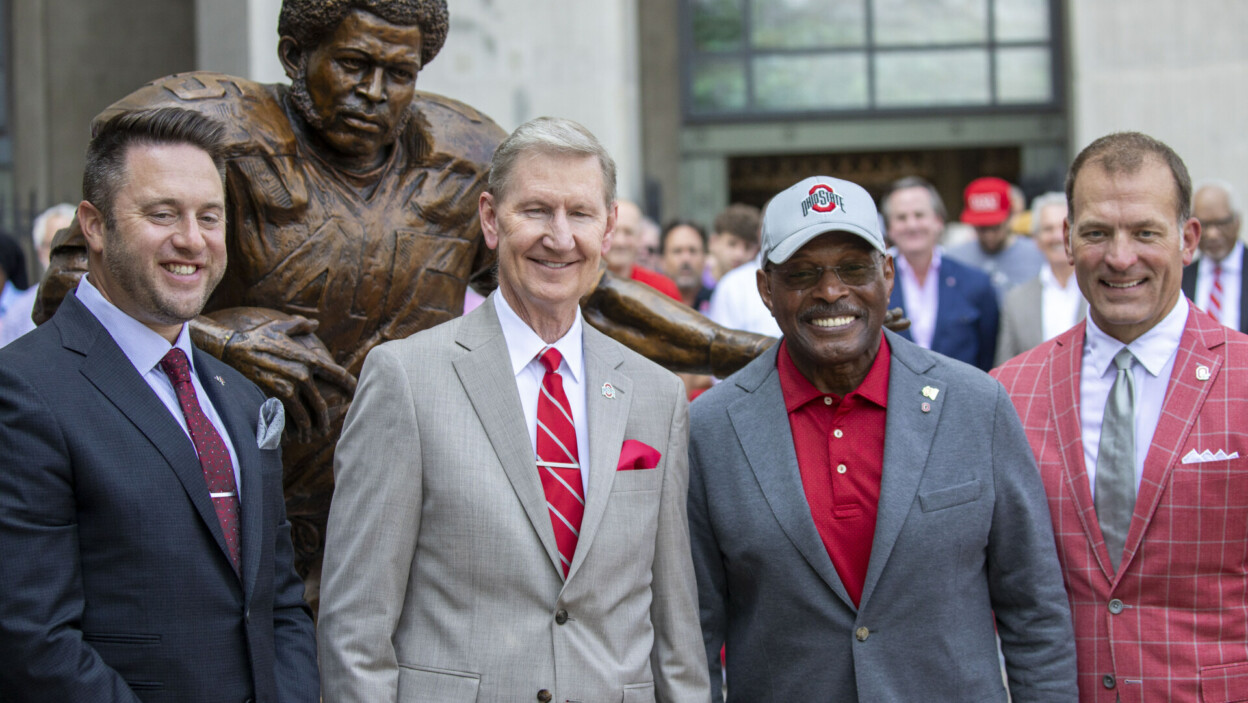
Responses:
[838,434]
[1108,681]
[827,400]
[544,696]
[840,469]
[1115,606]
[862,634]
[561,617]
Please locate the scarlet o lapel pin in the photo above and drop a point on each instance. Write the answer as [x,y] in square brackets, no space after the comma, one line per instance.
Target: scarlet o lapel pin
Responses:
[608,391]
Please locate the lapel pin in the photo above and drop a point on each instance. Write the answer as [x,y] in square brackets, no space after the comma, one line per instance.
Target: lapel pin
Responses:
[926,407]
[930,393]
[220,380]
[1202,372]
[608,391]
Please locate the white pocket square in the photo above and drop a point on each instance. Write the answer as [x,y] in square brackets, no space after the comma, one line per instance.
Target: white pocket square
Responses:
[1194,457]
[272,422]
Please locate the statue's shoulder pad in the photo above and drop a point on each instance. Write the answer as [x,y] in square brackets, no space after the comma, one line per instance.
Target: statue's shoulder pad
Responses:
[239,103]
[451,124]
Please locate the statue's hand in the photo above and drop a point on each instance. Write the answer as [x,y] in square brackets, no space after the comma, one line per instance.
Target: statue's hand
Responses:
[283,356]
[896,320]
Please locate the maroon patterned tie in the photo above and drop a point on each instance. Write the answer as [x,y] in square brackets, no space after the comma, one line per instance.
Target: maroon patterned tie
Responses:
[214,457]
[557,462]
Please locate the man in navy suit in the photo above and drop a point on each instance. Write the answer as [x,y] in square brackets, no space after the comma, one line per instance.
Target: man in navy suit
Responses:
[951,306]
[147,552]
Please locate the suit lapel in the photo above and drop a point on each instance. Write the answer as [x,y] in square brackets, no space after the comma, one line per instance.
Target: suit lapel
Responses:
[1183,402]
[485,373]
[238,420]
[1065,373]
[898,300]
[908,439]
[110,371]
[607,420]
[773,460]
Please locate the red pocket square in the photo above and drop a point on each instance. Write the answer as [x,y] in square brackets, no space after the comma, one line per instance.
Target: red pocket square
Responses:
[637,455]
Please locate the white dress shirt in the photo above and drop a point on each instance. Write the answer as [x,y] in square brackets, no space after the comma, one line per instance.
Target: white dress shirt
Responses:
[922,298]
[145,348]
[1154,352]
[1232,282]
[523,345]
[737,305]
[1059,305]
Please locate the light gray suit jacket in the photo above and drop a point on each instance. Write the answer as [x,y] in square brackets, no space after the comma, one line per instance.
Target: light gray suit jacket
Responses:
[441,579]
[962,532]
[1022,320]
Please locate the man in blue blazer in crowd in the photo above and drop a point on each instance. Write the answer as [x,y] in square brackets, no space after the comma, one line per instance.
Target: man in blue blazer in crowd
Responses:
[952,307]
[147,555]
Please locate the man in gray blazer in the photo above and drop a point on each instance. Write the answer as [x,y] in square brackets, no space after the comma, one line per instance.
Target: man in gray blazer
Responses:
[860,507]
[1050,303]
[508,521]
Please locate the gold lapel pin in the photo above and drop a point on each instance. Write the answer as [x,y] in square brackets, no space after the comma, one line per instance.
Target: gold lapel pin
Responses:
[930,393]
[1202,372]
[608,391]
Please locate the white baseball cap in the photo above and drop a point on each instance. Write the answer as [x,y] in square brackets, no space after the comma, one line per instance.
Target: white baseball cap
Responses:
[815,206]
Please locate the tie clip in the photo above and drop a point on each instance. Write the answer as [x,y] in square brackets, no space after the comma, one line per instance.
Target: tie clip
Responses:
[229,494]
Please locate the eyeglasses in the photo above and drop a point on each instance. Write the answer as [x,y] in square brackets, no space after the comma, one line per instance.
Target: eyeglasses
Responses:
[1220,224]
[802,276]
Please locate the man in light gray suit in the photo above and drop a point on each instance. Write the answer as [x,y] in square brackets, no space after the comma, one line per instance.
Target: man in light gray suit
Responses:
[860,507]
[1050,303]
[508,522]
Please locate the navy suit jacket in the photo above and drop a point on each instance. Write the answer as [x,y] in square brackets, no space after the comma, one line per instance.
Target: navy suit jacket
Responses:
[1189,289]
[117,583]
[966,314]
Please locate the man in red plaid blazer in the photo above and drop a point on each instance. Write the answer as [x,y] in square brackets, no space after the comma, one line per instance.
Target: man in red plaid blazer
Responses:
[1159,598]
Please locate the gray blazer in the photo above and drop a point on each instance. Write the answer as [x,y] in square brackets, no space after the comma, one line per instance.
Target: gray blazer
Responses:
[1022,320]
[962,532]
[441,579]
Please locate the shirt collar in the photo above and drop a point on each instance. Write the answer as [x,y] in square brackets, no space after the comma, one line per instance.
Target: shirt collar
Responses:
[798,390]
[900,262]
[523,344]
[1049,281]
[1232,263]
[141,345]
[1152,349]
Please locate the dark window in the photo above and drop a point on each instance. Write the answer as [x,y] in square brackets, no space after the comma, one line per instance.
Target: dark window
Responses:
[762,59]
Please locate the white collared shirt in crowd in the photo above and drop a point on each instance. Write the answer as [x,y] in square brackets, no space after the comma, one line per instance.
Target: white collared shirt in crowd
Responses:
[1232,282]
[922,297]
[1059,305]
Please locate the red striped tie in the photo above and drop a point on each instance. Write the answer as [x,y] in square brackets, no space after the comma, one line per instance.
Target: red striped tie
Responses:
[557,461]
[1215,294]
[214,457]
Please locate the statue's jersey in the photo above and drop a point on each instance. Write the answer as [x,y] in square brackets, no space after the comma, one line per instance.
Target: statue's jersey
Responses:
[371,258]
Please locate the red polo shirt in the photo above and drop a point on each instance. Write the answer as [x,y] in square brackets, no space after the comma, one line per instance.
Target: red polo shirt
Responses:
[840,453]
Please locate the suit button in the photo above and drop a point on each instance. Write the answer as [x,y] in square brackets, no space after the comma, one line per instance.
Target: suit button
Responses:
[560,618]
[1115,606]
[1108,680]
[544,696]
[862,634]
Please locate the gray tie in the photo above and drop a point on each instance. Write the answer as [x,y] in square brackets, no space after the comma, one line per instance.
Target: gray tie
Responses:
[1115,460]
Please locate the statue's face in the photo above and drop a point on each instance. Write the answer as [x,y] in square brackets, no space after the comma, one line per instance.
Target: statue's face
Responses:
[359,83]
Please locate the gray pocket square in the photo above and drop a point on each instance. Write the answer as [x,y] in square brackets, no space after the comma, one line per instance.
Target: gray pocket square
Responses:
[272,422]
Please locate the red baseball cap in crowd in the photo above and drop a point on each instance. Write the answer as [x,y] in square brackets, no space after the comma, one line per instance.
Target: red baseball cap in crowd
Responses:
[986,202]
